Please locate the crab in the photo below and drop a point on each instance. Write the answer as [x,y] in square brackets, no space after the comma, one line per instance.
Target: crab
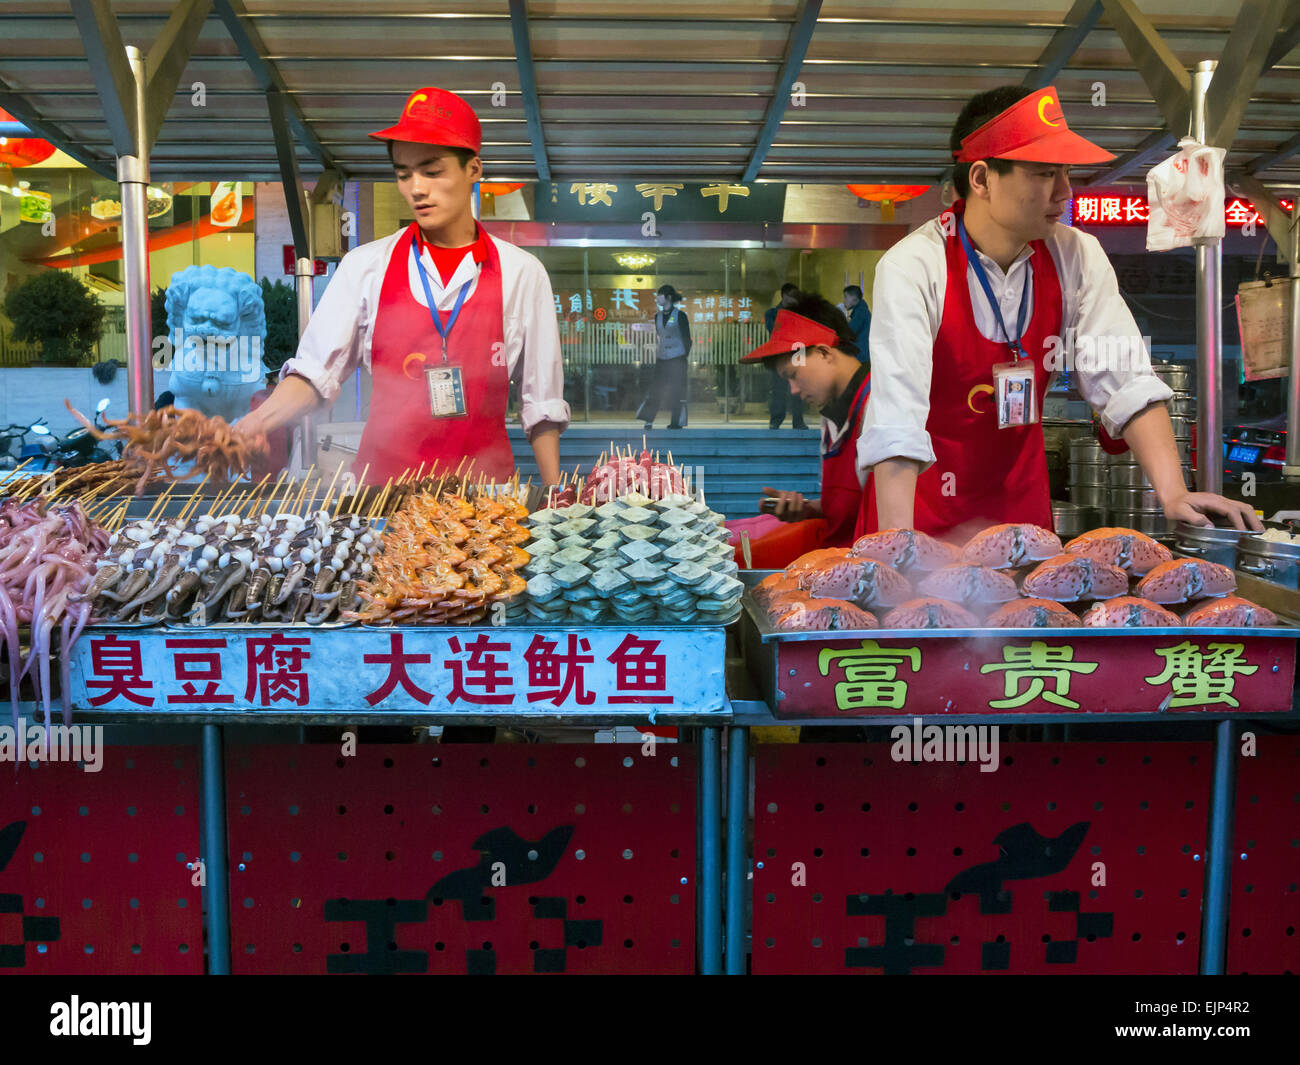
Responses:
[905,549]
[858,580]
[929,613]
[1230,611]
[779,603]
[1128,612]
[814,558]
[1070,578]
[1009,546]
[977,587]
[824,615]
[1032,614]
[1126,548]
[1184,579]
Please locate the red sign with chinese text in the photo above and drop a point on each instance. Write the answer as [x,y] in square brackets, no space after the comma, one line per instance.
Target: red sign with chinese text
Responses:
[1052,675]
[1089,210]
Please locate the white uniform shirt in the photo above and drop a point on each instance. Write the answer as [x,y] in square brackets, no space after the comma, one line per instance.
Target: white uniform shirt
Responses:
[907,307]
[338,336]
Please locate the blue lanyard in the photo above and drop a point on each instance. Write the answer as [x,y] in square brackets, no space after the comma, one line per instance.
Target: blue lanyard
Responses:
[433,310]
[973,258]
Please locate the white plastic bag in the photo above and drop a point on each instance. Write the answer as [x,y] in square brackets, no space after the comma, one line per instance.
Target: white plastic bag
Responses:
[1185,194]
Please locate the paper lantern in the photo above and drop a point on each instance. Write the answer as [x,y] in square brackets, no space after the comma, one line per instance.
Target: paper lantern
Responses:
[22,151]
[887,196]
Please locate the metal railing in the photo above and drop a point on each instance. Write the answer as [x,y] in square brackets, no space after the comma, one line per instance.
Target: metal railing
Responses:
[591,343]
[111,345]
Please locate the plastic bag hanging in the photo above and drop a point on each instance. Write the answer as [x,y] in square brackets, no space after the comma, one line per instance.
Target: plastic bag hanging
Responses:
[1185,194]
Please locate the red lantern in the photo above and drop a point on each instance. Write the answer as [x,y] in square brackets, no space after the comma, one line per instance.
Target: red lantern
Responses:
[22,151]
[887,196]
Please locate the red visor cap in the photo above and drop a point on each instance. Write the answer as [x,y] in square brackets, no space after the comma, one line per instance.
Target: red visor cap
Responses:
[793,332]
[436,116]
[1034,131]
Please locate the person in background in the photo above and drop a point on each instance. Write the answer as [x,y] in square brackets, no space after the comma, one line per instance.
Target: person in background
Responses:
[855,307]
[780,397]
[672,361]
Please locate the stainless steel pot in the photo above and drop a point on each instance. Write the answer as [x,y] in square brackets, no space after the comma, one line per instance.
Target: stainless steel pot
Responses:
[1081,473]
[1269,560]
[1071,520]
[1132,476]
[1088,495]
[1085,449]
[1182,425]
[1184,406]
[1133,499]
[1179,380]
[1153,523]
[1212,543]
[1184,446]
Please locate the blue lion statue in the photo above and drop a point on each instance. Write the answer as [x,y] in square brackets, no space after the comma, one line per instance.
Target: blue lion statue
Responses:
[217,329]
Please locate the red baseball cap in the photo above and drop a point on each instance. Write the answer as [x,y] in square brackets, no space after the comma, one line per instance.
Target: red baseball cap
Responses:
[790,333]
[1032,130]
[436,116]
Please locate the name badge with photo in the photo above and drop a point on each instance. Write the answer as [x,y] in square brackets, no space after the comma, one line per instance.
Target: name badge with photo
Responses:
[1017,399]
[446,392]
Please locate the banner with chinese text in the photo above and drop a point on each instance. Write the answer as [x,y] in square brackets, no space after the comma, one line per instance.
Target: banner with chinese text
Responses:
[508,671]
[1052,675]
[627,201]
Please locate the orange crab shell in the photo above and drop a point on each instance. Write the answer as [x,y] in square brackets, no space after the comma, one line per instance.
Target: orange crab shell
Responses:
[1071,578]
[1032,614]
[1231,610]
[1010,545]
[1129,549]
[1185,579]
[822,615]
[905,549]
[929,613]
[971,585]
[1128,611]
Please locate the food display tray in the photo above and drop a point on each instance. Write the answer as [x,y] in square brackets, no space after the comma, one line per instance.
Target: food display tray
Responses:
[868,673]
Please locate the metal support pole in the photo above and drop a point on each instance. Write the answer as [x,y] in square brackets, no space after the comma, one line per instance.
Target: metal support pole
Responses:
[303,277]
[213,844]
[1291,471]
[737,868]
[1219,851]
[1209,321]
[710,885]
[133,177]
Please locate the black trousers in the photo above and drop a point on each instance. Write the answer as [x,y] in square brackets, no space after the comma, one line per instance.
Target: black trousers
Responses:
[778,399]
[668,389]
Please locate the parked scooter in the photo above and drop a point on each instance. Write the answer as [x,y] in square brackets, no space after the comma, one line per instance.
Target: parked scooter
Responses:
[81,448]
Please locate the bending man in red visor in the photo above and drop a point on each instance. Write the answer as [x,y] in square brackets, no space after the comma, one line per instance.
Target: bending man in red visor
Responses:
[970,316]
[442,314]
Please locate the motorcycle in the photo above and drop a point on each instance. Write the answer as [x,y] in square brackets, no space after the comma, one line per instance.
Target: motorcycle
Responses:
[81,448]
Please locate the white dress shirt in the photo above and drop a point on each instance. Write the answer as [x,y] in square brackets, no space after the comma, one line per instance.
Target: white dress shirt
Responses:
[907,307]
[338,336]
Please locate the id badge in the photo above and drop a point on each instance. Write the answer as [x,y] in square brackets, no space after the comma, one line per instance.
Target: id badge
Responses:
[446,392]
[1017,397]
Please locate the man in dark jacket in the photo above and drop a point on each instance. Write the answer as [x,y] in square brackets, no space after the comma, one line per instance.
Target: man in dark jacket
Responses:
[780,397]
[859,320]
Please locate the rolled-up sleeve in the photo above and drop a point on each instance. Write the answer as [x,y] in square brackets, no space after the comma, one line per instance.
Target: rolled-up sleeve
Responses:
[332,344]
[542,379]
[1111,359]
[902,357]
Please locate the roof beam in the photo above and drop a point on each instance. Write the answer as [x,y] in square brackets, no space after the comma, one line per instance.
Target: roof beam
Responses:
[167,59]
[250,45]
[1152,147]
[1080,21]
[112,73]
[796,48]
[528,86]
[1287,39]
[23,111]
[1267,162]
[1244,58]
[1165,76]
[1276,218]
[295,198]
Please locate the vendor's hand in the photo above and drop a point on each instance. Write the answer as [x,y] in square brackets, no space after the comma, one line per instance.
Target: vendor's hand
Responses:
[786,506]
[1193,507]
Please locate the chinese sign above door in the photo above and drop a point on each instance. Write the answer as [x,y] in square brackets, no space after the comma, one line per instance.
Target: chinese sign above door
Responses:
[627,201]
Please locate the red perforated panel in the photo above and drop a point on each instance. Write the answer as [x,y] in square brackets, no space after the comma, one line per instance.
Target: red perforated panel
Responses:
[92,865]
[392,860]
[1264,915]
[937,867]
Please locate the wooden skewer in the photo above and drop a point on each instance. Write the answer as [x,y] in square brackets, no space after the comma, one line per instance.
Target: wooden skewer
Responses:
[325,506]
[161,501]
[377,510]
[192,503]
[744,549]
[256,495]
[271,496]
[462,463]
[302,494]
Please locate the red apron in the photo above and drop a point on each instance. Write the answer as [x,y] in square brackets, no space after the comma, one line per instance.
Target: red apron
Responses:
[998,475]
[841,493]
[401,432]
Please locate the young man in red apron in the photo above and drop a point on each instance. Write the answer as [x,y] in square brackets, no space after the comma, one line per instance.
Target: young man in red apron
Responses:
[813,348]
[970,314]
[442,314]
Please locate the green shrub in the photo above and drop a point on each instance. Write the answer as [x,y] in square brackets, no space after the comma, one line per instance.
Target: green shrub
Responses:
[55,310]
